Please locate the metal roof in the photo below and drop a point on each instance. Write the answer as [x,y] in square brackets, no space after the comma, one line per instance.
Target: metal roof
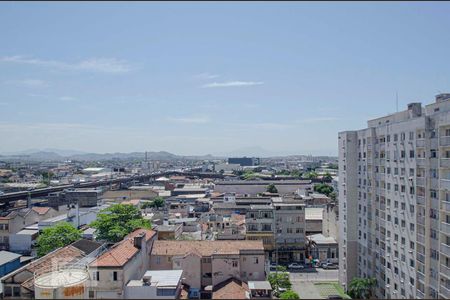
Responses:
[6,257]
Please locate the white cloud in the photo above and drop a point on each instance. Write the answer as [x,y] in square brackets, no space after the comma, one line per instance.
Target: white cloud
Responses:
[232,84]
[102,65]
[206,76]
[31,83]
[67,98]
[190,120]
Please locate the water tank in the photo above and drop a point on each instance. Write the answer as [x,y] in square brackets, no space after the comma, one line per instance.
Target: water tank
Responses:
[62,284]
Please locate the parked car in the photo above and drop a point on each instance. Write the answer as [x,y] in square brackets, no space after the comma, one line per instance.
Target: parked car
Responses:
[329,266]
[296,266]
[273,266]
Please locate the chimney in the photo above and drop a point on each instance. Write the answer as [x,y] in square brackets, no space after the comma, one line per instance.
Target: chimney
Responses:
[138,240]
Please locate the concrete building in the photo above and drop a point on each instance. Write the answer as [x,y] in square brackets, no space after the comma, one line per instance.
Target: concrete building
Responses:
[16,220]
[323,248]
[255,187]
[244,161]
[126,260]
[313,220]
[23,242]
[164,284]
[290,228]
[209,263]
[330,220]
[260,225]
[84,197]
[394,216]
[169,232]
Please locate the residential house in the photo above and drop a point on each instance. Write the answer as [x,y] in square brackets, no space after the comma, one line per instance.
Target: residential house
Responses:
[16,220]
[209,263]
[126,260]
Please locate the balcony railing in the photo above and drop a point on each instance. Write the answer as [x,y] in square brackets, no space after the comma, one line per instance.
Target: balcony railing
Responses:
[421,239]
[445,270]
[420,143]
[445,249]
[420,162]
[445,184]
[420,200]
[444,292]
[420,181]
[444,141]
[445,162]
[445,227]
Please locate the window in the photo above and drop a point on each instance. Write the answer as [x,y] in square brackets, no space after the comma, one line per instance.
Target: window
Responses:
[255,260]
[91,294]
[158,260]
[96,276]
[165,292]
[8,291]
[234,263]
[16,291]
[114,276]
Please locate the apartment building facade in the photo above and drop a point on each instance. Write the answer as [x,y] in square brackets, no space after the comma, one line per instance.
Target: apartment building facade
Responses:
[394,188]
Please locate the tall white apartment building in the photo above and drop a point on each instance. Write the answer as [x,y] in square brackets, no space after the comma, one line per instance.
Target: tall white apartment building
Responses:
[394,202]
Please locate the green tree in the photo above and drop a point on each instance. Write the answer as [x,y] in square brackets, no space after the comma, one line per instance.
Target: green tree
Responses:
[333,195]
[327,177]
[158,202]
[60,235]
[323,188]
[361,288]
[289,294]
[118,220]
[279,280]
[296,173]
[271,188]
[310,175]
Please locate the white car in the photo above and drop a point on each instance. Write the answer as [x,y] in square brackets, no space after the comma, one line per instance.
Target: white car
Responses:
[296,266]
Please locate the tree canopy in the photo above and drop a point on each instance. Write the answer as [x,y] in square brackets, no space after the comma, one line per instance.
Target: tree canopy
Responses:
[310,175]
[118,220]
[361,288]
[279,280]
[289,294]
[327,177]
[323,188]
[60,235]
[271,188]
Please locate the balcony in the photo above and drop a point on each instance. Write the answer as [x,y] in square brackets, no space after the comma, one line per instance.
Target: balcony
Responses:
[445,249]
[445,270]
[445,227]
[420,181]
[445,162]
[445,205]
[421,220]
[420,143]
[421,239]
[420,200]
[420,162]
[444,292]
[445,184]
[444,141]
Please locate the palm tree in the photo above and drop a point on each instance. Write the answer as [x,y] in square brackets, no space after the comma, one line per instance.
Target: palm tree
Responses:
[361,288]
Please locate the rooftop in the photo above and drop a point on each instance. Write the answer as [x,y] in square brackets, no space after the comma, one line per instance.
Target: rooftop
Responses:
[6,257]
[314,213]
[230,289]
[120,253]
[205,248]
[161,278]
[321,239]
[259,285]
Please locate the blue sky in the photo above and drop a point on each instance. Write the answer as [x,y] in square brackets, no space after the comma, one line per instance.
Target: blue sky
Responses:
[198,78]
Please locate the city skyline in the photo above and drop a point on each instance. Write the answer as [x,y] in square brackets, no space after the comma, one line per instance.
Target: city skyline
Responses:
[185,79]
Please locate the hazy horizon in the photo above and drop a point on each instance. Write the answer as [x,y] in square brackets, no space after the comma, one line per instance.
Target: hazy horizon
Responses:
[211,78]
